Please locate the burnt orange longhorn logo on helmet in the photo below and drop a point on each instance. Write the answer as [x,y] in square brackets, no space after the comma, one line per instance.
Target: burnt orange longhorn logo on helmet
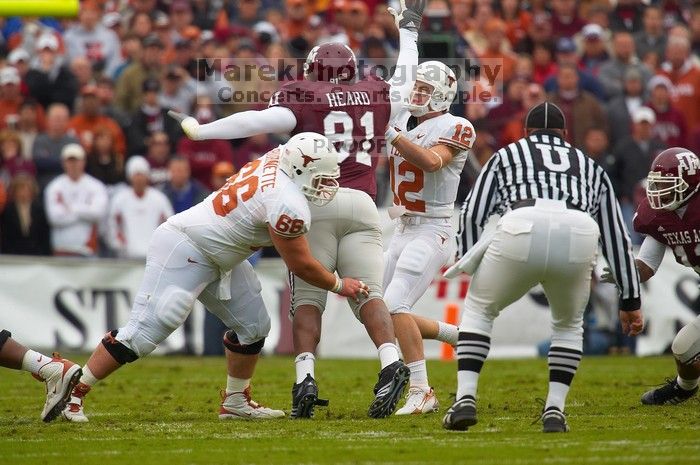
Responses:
[307,159]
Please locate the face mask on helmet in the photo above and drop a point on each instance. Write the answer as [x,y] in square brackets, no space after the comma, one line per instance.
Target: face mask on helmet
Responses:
[434,90]
[311,161]
[666,192]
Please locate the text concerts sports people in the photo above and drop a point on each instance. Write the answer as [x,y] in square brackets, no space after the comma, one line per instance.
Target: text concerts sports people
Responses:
[345,235]
[201,254]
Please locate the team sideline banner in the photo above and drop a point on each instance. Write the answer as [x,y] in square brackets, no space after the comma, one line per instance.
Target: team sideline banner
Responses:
[69,304]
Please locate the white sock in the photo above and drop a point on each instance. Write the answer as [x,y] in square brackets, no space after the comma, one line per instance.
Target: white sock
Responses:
[447,333]
[33,361]
[236,384]
[304,364]
[467,382]
[556,397]
[88,378]
[687,384]
[388,354]
[419,374]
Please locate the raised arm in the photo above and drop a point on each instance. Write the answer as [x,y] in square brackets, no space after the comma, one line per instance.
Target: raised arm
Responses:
[408,20]
[404,76]
[274,120]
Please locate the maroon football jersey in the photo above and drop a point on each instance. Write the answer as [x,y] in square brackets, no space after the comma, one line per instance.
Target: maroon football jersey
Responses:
[682,235]
[352,116]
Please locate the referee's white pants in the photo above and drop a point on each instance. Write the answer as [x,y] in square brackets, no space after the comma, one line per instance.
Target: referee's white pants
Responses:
[178,273]
[547,244]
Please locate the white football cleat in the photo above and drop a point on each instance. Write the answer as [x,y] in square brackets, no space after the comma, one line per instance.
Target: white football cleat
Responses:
[74,410]
[239,406]
[419,400]
[60,376]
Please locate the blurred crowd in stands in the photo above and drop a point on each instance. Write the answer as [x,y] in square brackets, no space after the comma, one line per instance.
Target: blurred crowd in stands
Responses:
[90,163]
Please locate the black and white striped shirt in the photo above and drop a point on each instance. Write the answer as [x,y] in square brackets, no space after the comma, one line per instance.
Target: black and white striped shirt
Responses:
[545,166]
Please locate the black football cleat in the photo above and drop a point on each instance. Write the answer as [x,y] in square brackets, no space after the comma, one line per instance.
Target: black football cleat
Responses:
[389,389]
[305,398]
[554,421]
[669,393]
[461,415]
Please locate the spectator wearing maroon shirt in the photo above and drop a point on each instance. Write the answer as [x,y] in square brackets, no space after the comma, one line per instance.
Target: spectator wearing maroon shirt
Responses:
[158,155]
[627,16]
[204,154]
[565,19]
[670,124]
[11,161]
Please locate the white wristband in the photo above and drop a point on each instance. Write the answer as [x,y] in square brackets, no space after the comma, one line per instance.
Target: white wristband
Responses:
[338,285]
[391,135]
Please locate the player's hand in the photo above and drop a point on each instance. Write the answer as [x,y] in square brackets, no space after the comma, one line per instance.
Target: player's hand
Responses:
[632,322]
[353,288]
[607,277]
[409,15]
[190,126]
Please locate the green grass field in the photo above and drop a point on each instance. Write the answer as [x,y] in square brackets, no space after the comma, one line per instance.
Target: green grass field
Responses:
[162,410]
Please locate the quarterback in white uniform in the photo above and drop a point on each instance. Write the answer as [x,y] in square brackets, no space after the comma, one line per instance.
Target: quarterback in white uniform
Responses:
[201,254]
[425,166]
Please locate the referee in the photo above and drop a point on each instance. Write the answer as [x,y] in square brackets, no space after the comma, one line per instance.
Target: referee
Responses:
[556,204]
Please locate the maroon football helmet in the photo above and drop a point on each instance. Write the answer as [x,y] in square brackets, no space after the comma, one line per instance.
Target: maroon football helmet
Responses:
[674,178]
[332,62]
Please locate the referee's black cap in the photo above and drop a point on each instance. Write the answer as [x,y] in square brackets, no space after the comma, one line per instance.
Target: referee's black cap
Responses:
[546,115]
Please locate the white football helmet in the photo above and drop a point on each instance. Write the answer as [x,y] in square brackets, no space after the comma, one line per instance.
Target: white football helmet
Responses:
[444,83]
[311,161]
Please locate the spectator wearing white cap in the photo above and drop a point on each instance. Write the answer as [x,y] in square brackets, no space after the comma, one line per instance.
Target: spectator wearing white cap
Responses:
[594,48]
[20,59]
[11,98]
[49,80]
[633,157]
[90,38]
[670,126]
[136,212]
[75,204]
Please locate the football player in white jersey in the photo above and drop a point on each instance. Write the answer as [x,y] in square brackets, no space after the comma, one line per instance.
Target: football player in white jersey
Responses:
[425,166]
[201,254]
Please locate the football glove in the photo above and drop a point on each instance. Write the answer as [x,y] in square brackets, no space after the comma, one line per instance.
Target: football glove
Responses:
[607,277]
[410,14]
[189,125]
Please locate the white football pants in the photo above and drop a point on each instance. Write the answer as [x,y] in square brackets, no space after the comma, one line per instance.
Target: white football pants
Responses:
[547,244]
[345,236]
[177,273]
[418,249]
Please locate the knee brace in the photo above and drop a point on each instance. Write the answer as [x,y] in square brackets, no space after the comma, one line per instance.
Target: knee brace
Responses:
[121,353]
[231,343]
[686,344]
[4,336]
